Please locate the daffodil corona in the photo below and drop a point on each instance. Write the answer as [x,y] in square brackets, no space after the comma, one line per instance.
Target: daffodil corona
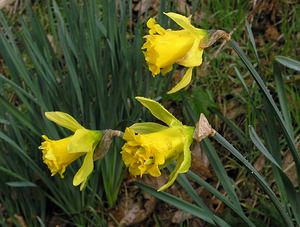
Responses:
[58,154]
[165,47]
[151,146]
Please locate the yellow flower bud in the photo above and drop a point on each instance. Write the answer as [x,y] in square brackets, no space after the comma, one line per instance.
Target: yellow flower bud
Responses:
[163,48]
[58,154]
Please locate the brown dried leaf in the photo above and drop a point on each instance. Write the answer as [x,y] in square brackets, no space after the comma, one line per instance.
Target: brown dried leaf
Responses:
[213,37]
[133,207]
[259,163]
[133,215]
[218,205]
[52,43]
[57,221]
[200,163]
[180,216]
[104,145]
[289,168]
[5,3]
[183,7]
[143,6]
[233,109]
[272,33]
[203,129]
[155,182]
[196,222]
[18,218]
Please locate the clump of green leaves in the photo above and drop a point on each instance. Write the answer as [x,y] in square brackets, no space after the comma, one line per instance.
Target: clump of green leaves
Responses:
[79,60]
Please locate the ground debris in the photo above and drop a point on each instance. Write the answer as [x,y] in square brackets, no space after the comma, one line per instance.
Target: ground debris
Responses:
[133,207]
[260,163]
[180,216]
[200,163]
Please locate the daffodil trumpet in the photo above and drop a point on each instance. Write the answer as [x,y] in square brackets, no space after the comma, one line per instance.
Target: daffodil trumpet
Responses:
[151,146]
[165,47]
[58,154]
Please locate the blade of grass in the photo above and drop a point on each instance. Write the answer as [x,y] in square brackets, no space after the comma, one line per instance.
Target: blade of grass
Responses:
[179,203]
[217,165]
[235,129]
[288,62]
[271,131]
[264,185]
[255,139]
[238,73]
[21,184]
[252,40]
[269,98]
[186,185]
[220,196]
[283,101]
[293,196]
[220,171]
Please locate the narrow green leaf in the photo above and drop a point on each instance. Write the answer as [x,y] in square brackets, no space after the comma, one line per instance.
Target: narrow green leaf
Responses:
[18,88]
[264,185]
[186,185]
[255,139]
[20,184]
[251,37]
[18,115]
[238,73]
[293,196]
[288,62]
[220,196]
[179,203]
[235,129]
[221,172]
[283,101]
[271,101]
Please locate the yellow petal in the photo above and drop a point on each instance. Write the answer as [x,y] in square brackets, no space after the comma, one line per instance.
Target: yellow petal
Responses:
[154,171]
[193,57]
[127,155]
[173,175]
[169,48]
[84,171]
[154,27]
[151,22]
[186,79]
[64,120]
[129,135]
[158,111]
[183,163]
[186,162]
[182,21]
[167,69]
[162,51]
[84,140]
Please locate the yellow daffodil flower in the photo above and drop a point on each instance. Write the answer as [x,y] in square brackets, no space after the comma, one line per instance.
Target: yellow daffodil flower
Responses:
[151,146]
[165,47]
[58,154]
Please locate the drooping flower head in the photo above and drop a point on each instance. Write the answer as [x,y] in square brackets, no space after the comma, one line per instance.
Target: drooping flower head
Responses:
[151,146]
[58,154]
[165,47]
